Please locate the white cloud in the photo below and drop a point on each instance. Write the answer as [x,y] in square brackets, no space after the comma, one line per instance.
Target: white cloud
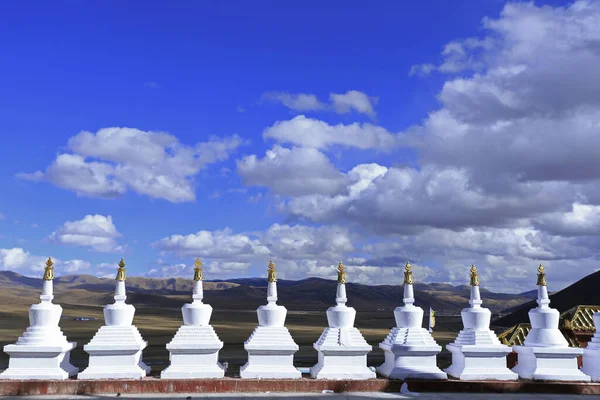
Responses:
[583,220]
[160,167]
[341,103]
[353,100]
[18,260]
[295,249]
[220,244]
[292,172]
[421,69]
[297,102]
[96,232]
[76,266]
[400,200]
[309,132]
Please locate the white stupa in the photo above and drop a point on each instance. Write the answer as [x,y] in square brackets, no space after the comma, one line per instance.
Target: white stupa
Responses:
[270,347]
[116,349]
[477,353]
[591,354]
[545,354]
[43,351]
[194,351]
[341,347]
[410,350]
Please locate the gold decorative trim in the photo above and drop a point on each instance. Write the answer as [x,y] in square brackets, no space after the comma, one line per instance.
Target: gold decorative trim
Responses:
[121,275]
[272,274]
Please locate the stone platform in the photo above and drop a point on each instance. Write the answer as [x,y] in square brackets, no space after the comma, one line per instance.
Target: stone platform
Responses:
[154,385]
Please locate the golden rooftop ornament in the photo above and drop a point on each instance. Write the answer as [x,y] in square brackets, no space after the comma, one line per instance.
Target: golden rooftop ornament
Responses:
[121,271]
[272,277]
[541,281]
[341,274]
[198,270]
[474,276]
[49,270]
[408,279]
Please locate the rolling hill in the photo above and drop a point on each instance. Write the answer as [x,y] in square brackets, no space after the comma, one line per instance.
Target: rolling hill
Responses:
[247,294]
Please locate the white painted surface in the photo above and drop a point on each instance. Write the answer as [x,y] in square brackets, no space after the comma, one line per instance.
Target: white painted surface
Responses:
[545,354]
[116,349]
[342,350]
[270,347]
[42,352]
[409,349]
[194,351]
[591,354]
[477,353]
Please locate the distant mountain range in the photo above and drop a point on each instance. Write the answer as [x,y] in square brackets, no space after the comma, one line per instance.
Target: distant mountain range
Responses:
[248,293]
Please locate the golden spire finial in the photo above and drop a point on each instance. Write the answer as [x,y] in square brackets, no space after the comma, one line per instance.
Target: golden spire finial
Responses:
[541,281]
[49,270]
[474,276]
[341,274]
[198,276]
[408,279]
[272,274]
[121,271]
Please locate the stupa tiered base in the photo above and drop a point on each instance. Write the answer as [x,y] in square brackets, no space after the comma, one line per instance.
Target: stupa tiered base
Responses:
[194,354]
[115,353]
[410,353]
[342,348]
[342,355]
[549,363]
[116,349]
[271,352]
[43,351]
[477,354]
[39,362]
[476,362]
[194,351]
[591,354]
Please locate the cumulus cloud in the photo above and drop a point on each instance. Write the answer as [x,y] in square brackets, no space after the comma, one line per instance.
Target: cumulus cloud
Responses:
[96,232]
[293,172]
[23,262]
[102,164]
[353,100]
[297,102]
[310,132]
[400,200]
[341,103]
[295,249]
[583,220]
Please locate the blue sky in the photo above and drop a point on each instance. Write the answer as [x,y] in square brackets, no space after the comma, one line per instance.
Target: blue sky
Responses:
[216,69]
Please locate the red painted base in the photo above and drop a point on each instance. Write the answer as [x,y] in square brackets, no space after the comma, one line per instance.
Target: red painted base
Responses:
[234,385]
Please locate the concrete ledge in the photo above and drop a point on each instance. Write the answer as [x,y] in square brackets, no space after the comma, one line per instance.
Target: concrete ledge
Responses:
[304,385]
